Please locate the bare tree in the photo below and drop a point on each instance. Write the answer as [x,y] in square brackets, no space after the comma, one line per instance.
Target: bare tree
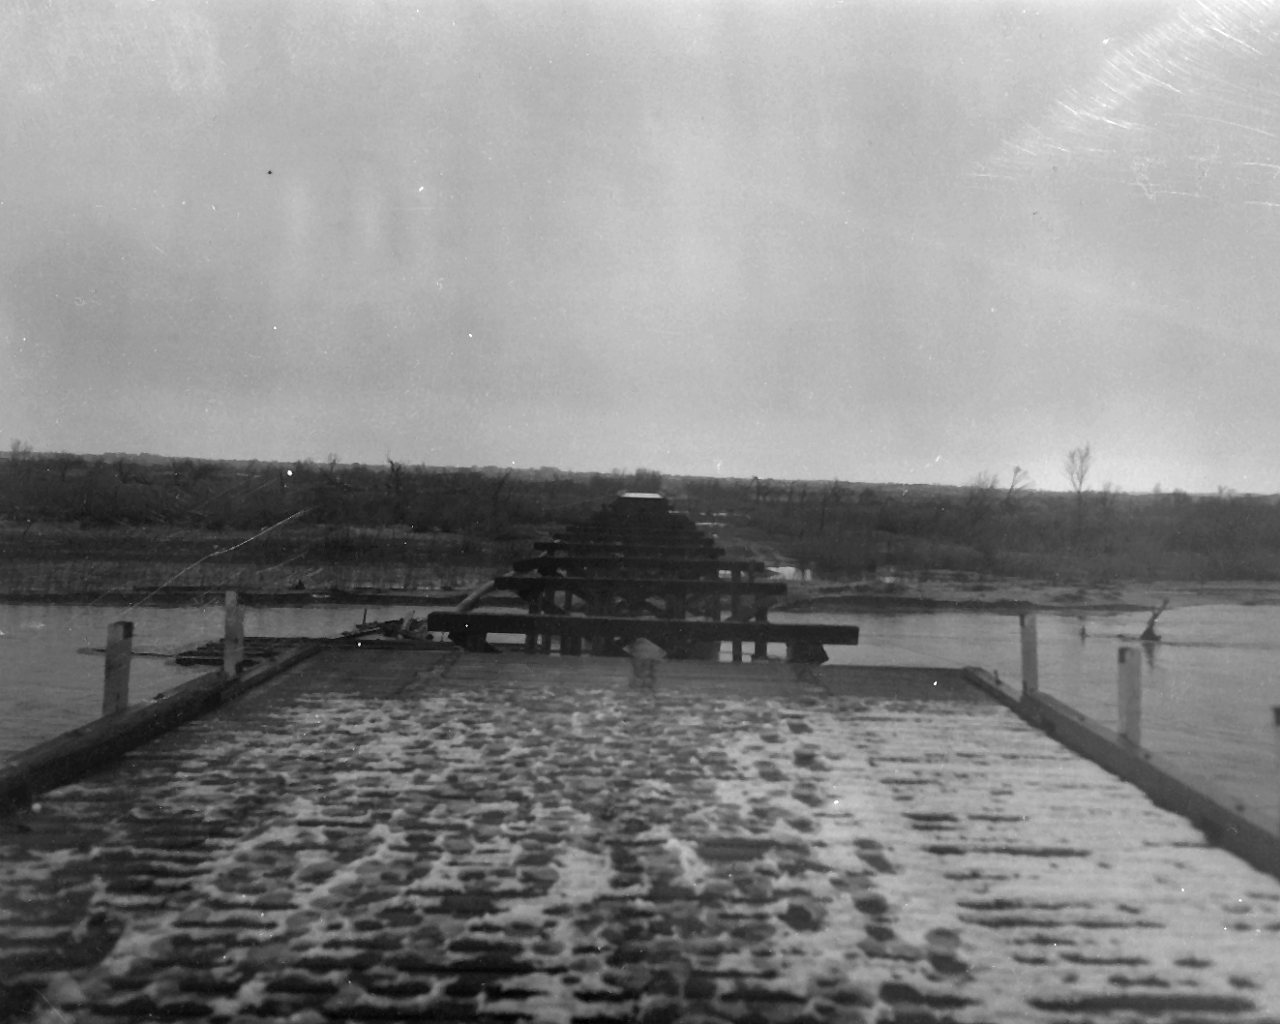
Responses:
[830,495]
[20,457]
[1076,466]
[396,476]
[1019,482]
[980,497]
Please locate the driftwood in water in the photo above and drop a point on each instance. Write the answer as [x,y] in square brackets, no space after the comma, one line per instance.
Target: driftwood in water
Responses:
[1149,634]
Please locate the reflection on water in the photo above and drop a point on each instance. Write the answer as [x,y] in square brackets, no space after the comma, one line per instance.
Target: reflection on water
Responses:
[1208,686]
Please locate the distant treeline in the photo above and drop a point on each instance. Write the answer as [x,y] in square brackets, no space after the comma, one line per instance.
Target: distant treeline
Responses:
[118,491]
[1087,536]
[838,529]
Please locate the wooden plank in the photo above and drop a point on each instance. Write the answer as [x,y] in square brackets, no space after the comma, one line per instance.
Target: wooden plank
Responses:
[632,530]
[675,566]
[639,549]
[637,537]
[671,524]
[529,585]
[634,628]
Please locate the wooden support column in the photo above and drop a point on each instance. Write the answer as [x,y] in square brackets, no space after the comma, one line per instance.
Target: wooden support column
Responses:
[734,611]
[531,637]
[233,636]
[565,643]
[1275,725]
[1275,722]
[548,608]
[1130,695]
[568,644]
[1030,660]
[115,682]
[761,651]
[595,606]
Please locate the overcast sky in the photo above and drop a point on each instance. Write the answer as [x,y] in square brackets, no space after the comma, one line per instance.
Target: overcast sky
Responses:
[888,241]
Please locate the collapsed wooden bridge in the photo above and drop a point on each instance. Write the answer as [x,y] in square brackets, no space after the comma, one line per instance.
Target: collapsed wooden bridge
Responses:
[639,570]
[380,826]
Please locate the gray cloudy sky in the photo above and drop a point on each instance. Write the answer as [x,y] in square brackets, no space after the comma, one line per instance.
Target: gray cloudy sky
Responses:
[908,241]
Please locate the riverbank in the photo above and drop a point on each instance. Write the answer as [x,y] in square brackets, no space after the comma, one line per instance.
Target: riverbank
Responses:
[950,592]
[162,565]
[64,562]
[395,585]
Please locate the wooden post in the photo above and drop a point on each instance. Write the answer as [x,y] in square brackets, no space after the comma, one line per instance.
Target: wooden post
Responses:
[595,606]
[735,611]
[761,651]
[1275,720]
[115,683]
[233,636]
[1030,662]
[1130,697]
[548,606]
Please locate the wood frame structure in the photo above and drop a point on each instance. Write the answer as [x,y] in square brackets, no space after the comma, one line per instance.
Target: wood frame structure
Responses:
[640,570]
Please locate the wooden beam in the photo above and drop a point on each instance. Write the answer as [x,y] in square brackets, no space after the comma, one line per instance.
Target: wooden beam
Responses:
[1221,817]
[80,751]
[526,586]
[675,566]
[656,630]
[689,536]
[643,549]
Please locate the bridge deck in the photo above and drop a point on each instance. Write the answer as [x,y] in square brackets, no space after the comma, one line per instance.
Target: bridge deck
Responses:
[421,835]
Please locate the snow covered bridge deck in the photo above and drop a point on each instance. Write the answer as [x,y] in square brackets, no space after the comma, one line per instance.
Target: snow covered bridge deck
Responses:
[418,835]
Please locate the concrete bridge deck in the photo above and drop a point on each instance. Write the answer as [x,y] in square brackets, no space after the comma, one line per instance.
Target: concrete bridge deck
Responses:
[428,836]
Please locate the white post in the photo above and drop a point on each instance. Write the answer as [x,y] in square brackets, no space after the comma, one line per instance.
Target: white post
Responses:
[1030,662]
[115,683]
[1131,695]
[233,639]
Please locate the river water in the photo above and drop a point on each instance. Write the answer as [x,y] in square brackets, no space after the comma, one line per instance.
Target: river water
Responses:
[1208,689]
[47,686]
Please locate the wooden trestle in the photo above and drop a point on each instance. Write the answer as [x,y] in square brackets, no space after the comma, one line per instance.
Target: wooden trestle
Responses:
[639,569]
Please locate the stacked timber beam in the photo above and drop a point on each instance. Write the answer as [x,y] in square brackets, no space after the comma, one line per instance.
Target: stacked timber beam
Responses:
[636,570]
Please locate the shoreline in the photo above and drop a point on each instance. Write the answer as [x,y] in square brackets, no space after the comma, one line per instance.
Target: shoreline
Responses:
[1018,595]
[179,597]
[933,594]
